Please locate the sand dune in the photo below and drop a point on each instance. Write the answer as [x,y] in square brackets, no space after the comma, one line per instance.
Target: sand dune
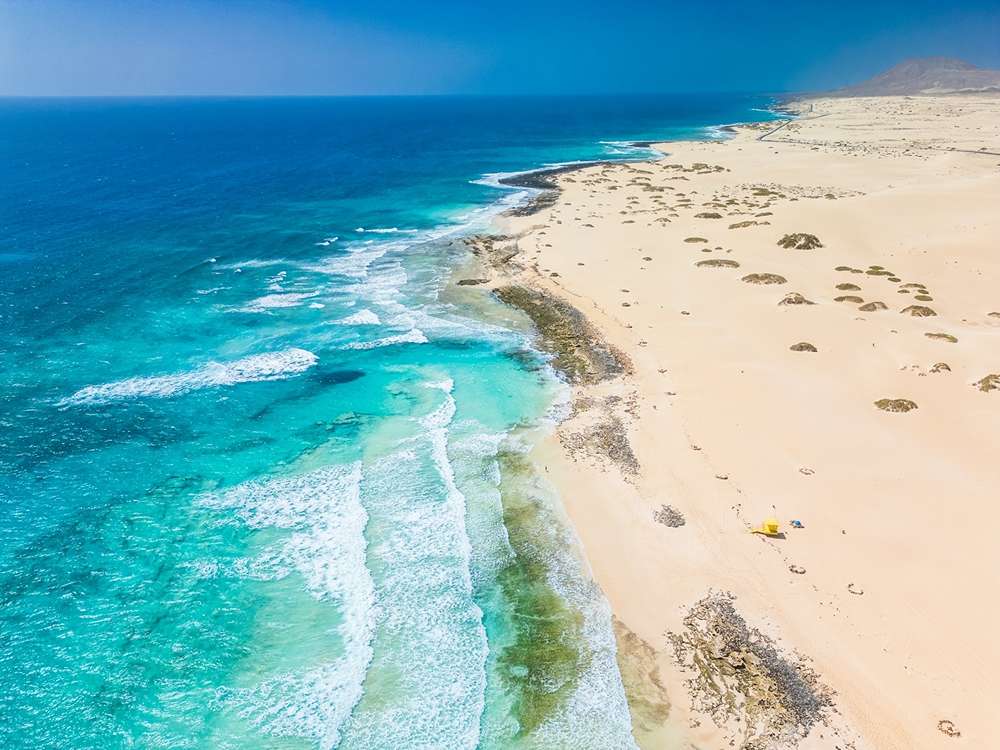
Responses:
[812,329]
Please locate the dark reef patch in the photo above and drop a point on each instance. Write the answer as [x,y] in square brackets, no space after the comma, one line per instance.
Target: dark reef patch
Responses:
[578,351]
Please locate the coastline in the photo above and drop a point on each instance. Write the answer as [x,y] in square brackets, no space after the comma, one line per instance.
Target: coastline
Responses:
[660,464]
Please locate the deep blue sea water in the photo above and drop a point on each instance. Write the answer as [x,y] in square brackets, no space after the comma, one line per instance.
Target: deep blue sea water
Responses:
[262,469]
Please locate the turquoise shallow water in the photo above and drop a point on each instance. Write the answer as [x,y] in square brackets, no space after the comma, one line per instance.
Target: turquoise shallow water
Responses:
[263,482]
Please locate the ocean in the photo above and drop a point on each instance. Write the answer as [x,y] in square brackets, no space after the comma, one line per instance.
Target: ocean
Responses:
[264,472]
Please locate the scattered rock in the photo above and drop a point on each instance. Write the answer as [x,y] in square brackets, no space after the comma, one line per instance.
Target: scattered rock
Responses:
[717,263]
[749,223]
[669,516]
[941,367]
[797,569]
[794,298]
[579,352]
[471,282]
[849,298]
[740,677]
[803,346]
[948,727]
[846,287]
[896,404]
[923,297]
[800,241]
[990,383]
[856,590]
[918,311]
[994,314]
[873,306]
[942,337]
[708,215]
[764,278]
[695,239]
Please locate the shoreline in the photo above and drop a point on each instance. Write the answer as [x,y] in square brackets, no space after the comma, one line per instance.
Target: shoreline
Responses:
[687,516]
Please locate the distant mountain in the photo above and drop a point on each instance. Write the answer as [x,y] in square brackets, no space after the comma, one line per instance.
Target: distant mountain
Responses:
[926,75]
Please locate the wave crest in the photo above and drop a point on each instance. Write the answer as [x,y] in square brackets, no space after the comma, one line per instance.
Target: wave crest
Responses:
[255,368]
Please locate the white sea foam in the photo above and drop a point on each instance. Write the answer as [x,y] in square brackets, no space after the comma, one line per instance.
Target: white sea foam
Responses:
[360,318]
[353,263]
[413,336]
[327,547]
[430,644]
[327,241]
[257,367]
[255,263]
[276,301]
[630,148]
[386,230]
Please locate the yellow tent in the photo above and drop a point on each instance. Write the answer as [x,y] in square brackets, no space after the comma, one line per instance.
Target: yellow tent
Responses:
[770,527]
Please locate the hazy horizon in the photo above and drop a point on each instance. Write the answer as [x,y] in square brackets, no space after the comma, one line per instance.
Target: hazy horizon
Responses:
[58,48]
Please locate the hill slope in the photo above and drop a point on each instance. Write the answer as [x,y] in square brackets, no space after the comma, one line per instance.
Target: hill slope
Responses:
[927,75]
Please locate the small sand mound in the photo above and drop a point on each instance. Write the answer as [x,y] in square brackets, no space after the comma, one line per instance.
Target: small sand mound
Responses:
[803,346]
[717,263]
[708,215]
[800,241]
[918,311]
[764,278]
[849,298]
[895,404]
[990,383]
[873,306]
[845,287]
[942,337]
[695,239]
[794,298]
[941,367]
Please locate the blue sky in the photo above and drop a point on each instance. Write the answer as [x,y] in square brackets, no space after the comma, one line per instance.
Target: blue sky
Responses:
[168,47]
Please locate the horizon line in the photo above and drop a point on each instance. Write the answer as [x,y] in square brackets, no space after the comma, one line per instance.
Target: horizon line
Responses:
[397,95]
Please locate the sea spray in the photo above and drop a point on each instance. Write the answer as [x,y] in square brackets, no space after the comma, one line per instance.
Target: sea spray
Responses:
[327,548]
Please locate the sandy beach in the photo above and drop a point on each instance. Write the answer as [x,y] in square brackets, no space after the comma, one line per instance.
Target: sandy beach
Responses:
[801,322]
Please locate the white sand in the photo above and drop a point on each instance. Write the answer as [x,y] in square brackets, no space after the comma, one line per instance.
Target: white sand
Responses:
[904,506]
